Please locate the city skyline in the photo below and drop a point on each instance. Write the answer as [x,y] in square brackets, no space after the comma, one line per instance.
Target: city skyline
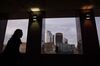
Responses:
[48,37]
[67,26]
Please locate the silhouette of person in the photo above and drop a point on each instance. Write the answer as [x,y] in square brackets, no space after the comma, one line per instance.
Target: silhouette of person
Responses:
[11,51]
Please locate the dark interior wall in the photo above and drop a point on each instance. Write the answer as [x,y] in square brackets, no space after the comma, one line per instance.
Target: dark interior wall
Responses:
[3,23]
[89,33]
[34,37]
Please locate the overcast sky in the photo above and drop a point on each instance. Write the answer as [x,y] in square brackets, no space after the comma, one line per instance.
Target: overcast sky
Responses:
[12,25]
[67,26]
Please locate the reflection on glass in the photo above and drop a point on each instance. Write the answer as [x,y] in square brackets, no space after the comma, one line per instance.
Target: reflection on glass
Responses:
[59,36]
[12,25]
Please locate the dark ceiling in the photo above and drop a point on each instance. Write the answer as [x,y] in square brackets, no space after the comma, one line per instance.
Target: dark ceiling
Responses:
[53,8]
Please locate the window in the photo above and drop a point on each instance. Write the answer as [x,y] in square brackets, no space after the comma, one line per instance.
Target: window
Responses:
[59,36]
[12,25]
[97,19]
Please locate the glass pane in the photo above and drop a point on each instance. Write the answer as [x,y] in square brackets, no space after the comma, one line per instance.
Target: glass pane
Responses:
[98,27]
[12,25]
[59,36]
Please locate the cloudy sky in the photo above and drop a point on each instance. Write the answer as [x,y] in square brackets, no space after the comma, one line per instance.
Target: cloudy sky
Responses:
[67,26]
[12,25]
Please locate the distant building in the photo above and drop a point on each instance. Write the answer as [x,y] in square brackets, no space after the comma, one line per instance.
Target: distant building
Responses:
[59,39]
[49,48]
[76,50]
[79,47]
[53,39]
[50,37]
[66,49]
[42,49]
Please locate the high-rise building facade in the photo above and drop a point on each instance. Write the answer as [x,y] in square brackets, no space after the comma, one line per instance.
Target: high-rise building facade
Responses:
[59,38]
[59,42]
[49,37]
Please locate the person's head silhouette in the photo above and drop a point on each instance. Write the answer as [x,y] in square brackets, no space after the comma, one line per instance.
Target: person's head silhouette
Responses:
[18,33]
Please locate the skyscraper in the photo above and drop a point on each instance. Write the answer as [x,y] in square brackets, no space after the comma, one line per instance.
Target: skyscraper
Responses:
[59,38]
[49,37]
